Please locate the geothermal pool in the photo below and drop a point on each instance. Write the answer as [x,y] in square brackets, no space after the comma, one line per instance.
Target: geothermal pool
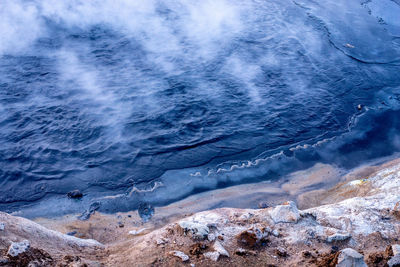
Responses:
[148,102]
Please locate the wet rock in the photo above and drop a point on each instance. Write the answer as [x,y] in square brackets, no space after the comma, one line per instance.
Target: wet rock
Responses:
[394,261]
[180,255]
[214,256]
[197,230]
[286,213]
[86,215]
[72,233]
[145,211]
[396,249]
[76,194]
[348,257]
[2,226]
[17,248]
[220,249]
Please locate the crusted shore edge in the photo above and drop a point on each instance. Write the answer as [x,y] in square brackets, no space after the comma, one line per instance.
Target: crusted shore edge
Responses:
[359,227]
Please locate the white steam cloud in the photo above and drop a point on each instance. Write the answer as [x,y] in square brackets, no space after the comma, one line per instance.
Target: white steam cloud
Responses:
[196,22]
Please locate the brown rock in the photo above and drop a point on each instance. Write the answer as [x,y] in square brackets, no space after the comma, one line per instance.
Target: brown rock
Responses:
[245,252]
[247,238]
[197,249]
[33,256]
[396,211]
[328,259]
[380,258]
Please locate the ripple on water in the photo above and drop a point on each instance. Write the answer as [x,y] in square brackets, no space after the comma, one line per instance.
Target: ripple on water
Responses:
[190,96]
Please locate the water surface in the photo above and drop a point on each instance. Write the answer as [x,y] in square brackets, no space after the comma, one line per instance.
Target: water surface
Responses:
[152,101]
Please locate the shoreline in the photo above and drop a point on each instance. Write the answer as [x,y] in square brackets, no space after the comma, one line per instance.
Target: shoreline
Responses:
[309,188]
[313,224]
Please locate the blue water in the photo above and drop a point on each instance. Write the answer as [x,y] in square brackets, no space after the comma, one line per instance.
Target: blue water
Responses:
[150,101]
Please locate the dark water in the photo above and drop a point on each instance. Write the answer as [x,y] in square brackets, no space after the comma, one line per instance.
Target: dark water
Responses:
[151,101]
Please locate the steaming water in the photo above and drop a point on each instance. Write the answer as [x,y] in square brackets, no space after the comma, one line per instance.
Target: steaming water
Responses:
[151,101]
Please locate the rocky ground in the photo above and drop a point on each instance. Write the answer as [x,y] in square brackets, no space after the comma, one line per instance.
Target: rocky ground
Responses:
[354,223]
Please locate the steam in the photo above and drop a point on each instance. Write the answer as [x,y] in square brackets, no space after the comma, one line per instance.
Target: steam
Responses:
[20,26]
[162,26]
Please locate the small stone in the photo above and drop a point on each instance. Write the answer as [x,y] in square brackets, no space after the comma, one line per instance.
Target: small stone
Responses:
[180,255]
[334,249]
[75,194]
[287,213]
[240,251]
[263,205]
[198,230]
[396,249]
[211,237]
[337,237]
[72,233]
[348,257]
[137,232]
[252,237]
[245,252]
[247,238]
[214,256]
[275,233]
[394,261]
[17,248]
[220,249]
[281,252]
[120,225]
[161,241]
[2,226]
